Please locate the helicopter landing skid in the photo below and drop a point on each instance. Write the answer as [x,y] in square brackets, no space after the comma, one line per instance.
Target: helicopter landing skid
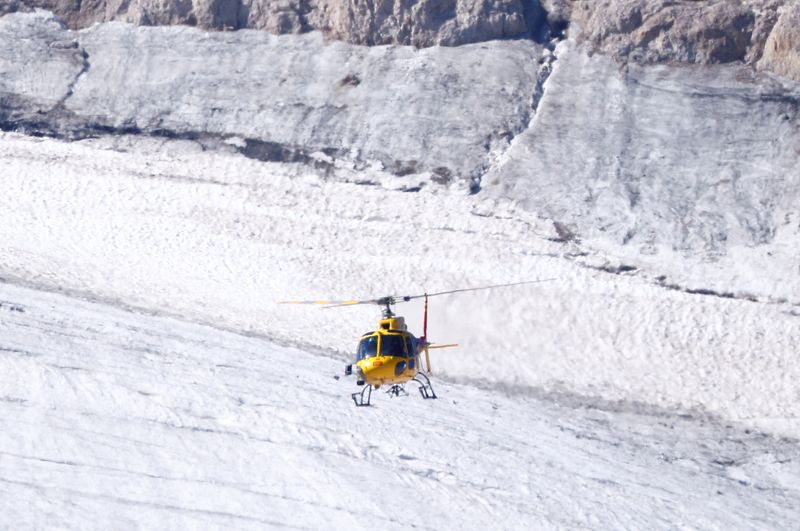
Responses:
[359,398]
[425,388]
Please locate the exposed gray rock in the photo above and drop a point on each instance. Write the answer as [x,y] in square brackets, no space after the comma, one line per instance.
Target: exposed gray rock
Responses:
[670,31]
[766,13]
[416,22]
[782,49]
[641,31]
[655,31]
[420,23]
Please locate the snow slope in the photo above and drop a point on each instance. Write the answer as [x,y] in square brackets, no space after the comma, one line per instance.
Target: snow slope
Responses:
[195,234]
[117,419]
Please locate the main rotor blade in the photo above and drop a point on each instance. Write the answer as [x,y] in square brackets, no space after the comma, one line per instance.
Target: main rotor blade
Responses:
[404,298]
[326,303]
[339,304]
[409,297]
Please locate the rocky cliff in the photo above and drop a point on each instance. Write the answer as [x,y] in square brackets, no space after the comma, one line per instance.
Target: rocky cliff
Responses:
[694,32]
[640,31]
[782,48]
[415,22]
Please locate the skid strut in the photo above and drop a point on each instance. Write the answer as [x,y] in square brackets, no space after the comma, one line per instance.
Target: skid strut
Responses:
[397,390]
[359,397]
[425,388]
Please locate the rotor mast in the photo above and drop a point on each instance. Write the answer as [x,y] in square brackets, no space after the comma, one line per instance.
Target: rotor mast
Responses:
[387,310]
[387,303]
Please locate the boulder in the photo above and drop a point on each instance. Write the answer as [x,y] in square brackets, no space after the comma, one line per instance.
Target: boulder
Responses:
[782,49]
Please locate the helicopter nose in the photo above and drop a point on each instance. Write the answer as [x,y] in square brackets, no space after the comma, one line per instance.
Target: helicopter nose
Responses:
[371,367]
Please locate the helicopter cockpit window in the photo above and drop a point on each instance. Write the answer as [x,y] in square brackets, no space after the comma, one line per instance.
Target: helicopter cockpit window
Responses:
[368,347]
[393,346]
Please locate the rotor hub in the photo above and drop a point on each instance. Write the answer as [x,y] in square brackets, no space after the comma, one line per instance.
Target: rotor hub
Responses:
[387,310]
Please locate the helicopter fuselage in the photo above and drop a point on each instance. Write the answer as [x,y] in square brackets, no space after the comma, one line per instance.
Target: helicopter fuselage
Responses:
[387,355]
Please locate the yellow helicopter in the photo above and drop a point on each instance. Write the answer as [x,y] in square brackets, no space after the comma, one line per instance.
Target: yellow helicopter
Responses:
[390,354]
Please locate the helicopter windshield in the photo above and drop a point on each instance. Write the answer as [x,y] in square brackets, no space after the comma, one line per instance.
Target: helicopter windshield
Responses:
[393,346]
[368,347]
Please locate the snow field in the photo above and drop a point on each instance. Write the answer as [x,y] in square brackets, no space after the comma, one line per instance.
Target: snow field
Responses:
[217,238]
[115,419]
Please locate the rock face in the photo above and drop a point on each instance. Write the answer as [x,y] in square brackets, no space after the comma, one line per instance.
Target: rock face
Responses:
[419,23]
[697,32]
[782,50]
[639,31]
[658,31]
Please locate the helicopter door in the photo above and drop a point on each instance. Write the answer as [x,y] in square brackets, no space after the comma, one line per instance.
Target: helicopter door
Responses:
[412,352]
